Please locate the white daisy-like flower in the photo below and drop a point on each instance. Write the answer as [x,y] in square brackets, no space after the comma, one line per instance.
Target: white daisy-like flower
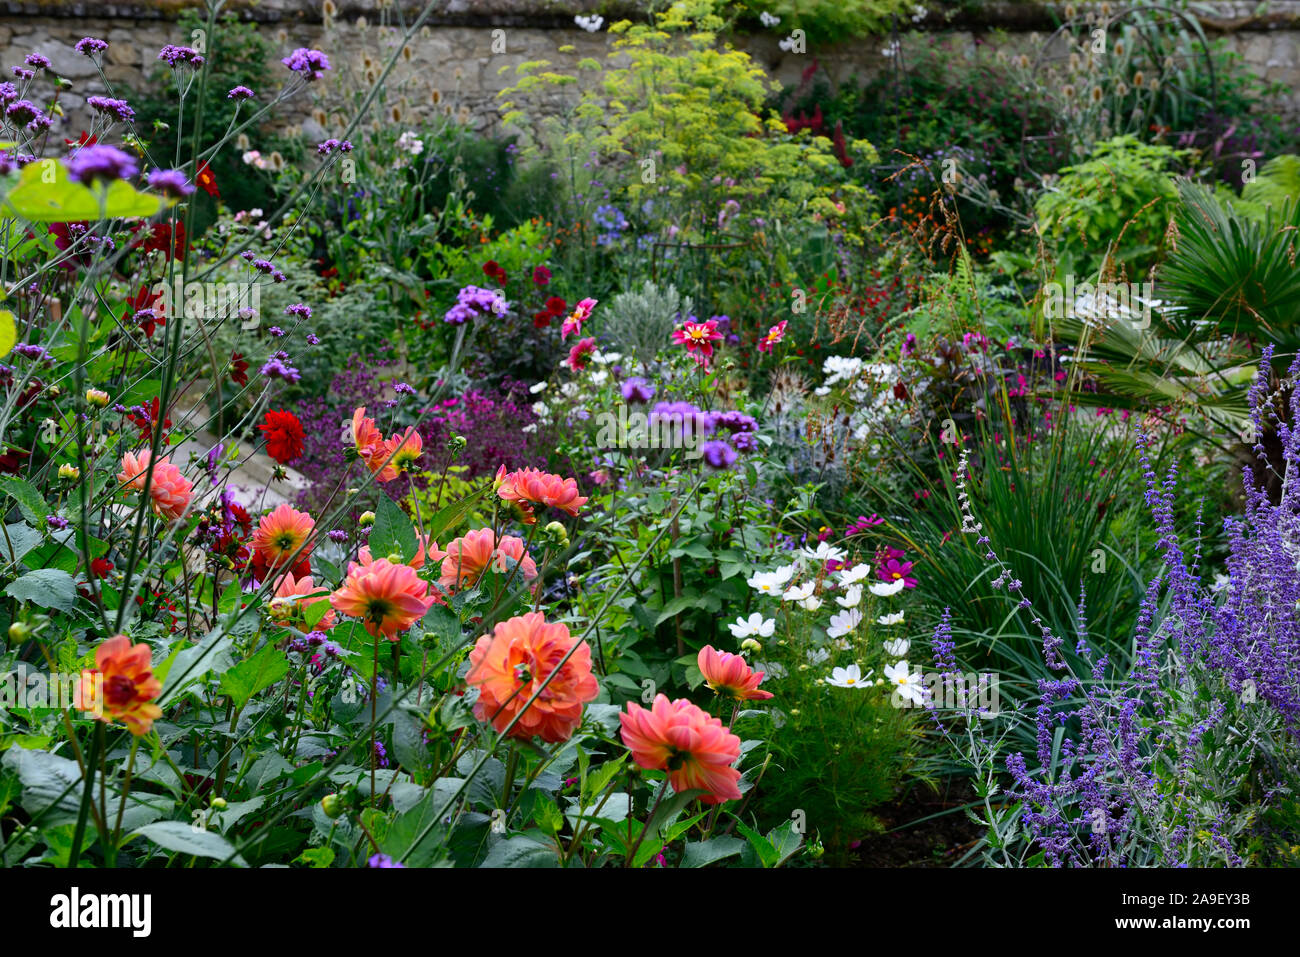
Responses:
[769,19]
[850,677]
[895,619]
[908,684]
[755,624]
[591,24]
[771,583]
[887,589]
[844,623]
[539,387]
[800,592]
[822,390]
[851,597]
[851,576]
[818,655]
[824,552]
[811,603]
[1221,581]
[897,647]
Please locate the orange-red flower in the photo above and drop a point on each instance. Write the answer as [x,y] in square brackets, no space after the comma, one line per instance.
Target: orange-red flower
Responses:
[169,491]
[388,598]
[287,605]
[469,556]
[691,745]
[730,676]
[279,535]
[509,666]
[371,446]
[528,487]
[121,685]
[405,449]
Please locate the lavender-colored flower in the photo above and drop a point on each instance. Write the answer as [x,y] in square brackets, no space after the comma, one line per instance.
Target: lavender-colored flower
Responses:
[23,73]
[298,309]
[30,351]
[383,860]
[101,163]
[277,368]
[310,64]
[276,331]
[90,46]
[403,388]
[175,56]
[326,147]
[240,93]
[473,301]
[56,523]
[313,339]
[637,391]
[337,535]
[118,109]
[172,182]
[37,60]
[22,112]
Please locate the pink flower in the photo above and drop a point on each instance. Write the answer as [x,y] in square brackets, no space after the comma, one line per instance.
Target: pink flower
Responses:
[693,747]
[580,355]
[698,338]
[288,605]
[388,598]
[469,556]
[730,676]
[773,337]
[527,487]
[580,314]
[169,491]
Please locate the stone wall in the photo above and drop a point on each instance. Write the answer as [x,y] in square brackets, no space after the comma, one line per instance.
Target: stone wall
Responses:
[454,54]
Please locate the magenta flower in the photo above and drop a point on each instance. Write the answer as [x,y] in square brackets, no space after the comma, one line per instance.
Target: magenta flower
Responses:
[698,338]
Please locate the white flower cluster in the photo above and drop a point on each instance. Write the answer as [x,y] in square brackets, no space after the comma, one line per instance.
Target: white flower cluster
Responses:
[591,24]
[769,20]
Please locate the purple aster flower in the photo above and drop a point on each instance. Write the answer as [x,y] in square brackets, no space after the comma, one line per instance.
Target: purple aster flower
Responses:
[107,163]
[263,265]
[276,331]
[311,64]
[403,388]
[56,523]
[298,309]
[23,74]
[30,351]
[38,61]
[22,112]
[337,535]
[313,339]
[277,368]
[240,93]
[637,391]
[277,276]
[170,181]
[90,46]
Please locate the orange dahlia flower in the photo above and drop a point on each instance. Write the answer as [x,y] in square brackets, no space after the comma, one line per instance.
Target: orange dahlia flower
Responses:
[371,446]
[288,604]
[121,685]
[388,598]
[528,487]
[509,666]
[691,745]
[279,535]
[469,556]
[169,491]
[730,676]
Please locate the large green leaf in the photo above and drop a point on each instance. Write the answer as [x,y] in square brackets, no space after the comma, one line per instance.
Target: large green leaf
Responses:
[44,194]
[254,674]
[45,588]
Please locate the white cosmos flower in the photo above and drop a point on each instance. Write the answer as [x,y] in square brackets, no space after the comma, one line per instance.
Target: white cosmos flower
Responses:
[895,619]
[818,655]
[538,387]
[850,677]
[851,597]
[844,622]
[754,625]
[908,685]
[887,589]
[851,576]
[897,647]
[771,583]
[800,592]
[824,552]
[811,603]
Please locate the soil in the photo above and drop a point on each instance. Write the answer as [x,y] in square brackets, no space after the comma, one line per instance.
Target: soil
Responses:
[913,837]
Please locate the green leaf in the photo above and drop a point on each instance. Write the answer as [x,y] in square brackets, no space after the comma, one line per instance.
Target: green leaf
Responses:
[767,854]
[676,606]
[195,662]
[45,588]
[8,332]
[703,853]
[392,533]
[30,502]
[452,515]
[22,537]
[254,674]
[188,839]
[316,857]
[44,194]
[786,841]
[520,851]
